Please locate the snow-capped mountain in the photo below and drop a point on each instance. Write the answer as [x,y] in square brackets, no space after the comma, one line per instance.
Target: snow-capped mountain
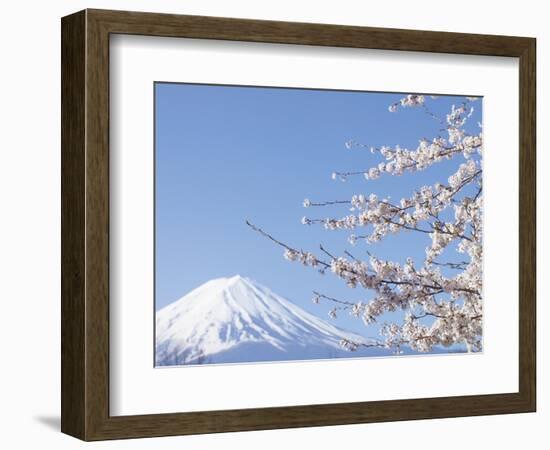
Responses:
[230,320]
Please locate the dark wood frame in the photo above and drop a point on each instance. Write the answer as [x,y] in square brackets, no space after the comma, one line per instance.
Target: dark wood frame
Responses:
[85,224]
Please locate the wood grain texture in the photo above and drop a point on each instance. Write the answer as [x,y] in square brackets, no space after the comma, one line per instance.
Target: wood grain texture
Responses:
[73,225]
[527,224]
[85,224]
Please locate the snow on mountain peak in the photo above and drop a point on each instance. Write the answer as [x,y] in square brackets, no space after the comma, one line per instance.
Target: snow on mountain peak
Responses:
[235,319]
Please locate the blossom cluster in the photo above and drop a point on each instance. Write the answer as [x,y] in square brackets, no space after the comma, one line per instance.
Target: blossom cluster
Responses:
[306,258]
[407,102]
[424,206]
[418,292]
[399,160]
[452,303]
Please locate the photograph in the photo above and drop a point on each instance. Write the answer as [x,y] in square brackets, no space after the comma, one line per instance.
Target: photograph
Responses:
[297,224]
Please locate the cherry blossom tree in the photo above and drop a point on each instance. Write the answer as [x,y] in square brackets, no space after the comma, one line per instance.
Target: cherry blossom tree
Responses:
[441,295]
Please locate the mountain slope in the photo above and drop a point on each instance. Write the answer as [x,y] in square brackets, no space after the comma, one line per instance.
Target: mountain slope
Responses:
[230,320]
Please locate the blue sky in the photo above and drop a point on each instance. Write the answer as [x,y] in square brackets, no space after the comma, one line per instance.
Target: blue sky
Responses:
[225,154]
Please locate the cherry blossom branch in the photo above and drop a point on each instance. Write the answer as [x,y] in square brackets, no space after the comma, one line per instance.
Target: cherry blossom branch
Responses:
[453,303]
[332,299]
[309,259]
[458,266]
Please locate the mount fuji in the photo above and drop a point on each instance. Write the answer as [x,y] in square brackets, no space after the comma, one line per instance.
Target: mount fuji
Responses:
[235,320]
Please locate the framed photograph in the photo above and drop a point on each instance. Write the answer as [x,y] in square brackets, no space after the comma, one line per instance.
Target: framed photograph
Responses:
[273,225]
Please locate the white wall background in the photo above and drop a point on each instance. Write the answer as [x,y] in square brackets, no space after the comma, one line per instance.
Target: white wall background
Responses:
[30,221]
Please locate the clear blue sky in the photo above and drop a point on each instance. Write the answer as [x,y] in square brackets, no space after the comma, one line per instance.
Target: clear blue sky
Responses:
[225,154]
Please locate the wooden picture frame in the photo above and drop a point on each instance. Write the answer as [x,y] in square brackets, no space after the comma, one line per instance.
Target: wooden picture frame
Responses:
[85,224]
